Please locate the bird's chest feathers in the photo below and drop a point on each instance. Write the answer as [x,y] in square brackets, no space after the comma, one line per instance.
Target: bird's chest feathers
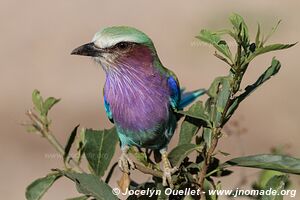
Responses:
[138,99]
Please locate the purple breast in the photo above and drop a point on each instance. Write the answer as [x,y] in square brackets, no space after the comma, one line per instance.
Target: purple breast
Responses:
[138,100]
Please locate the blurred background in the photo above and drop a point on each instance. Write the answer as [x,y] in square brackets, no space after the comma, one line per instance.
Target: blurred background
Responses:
[38,36]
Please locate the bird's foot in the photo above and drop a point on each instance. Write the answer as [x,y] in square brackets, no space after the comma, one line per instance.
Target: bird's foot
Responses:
[167,171]
[125,163]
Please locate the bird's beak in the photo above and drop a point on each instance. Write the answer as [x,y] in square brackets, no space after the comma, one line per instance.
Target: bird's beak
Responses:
[88,49]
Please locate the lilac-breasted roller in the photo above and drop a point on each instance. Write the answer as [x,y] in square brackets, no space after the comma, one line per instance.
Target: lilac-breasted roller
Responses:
[140,94]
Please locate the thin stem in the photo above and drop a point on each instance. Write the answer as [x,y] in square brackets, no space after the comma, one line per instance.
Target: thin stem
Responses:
[52,139]
[44,130]
[54,142]
[239,52]
[214,171]
[207,160]
[111,171]
[147,170]
[237,76]
[223,59]
[207,157]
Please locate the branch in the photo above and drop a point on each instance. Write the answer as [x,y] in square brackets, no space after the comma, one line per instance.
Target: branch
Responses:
[44,130]
[223,59]
[147,170]
[207,159]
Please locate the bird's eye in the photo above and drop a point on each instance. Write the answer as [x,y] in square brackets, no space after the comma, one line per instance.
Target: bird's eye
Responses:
[122,45]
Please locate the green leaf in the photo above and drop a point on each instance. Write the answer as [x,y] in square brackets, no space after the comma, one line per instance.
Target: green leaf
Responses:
[39,187]
[271,33]
[140,156]
[80,145]
[37,101]
[100,148]
[220,92]
[265,176]
[188,130]
[70,142]
[43,106]
[224,92]
[276,183]
[214,87]
[197,112]
[257,38]
[48,104]
[268,48]
[215,40]
[207,136]
[190,126]
[280,163]
[78,198]
[90,185]
[224,153]
[177,154]
[209,186]
[32,129]
[271,71]
[160,187]
[241,30]
[236,20]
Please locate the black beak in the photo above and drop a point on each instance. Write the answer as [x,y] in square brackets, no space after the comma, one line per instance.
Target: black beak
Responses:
[88,49]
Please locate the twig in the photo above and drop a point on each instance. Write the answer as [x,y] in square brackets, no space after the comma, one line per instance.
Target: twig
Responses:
[217,130]
[207,160]
[223,59]
[51,138]
[111,171]
[147,170]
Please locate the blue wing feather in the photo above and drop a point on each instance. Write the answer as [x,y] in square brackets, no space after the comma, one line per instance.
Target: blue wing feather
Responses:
[179,98]
[189,97]
[175,92]
[107,110]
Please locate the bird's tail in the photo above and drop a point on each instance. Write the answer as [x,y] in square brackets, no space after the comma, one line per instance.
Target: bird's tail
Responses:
[188,97]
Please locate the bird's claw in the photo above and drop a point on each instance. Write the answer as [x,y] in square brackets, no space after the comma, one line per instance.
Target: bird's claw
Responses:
[167,170]
[167,176]
[125,163]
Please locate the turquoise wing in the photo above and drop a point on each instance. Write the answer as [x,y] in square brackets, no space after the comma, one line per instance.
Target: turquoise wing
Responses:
[179,99]
[189,97]
[175,92]
[107,110]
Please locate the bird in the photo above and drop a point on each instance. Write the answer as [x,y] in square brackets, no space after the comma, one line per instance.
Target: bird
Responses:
[141,96]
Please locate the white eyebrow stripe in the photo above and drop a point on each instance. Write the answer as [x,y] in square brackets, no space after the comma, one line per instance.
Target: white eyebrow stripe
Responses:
[106,42]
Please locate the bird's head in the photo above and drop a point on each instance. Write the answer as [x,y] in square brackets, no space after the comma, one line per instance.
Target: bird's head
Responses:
[119,46]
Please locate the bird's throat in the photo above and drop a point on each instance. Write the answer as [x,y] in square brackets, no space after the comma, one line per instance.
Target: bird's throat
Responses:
[138,96]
